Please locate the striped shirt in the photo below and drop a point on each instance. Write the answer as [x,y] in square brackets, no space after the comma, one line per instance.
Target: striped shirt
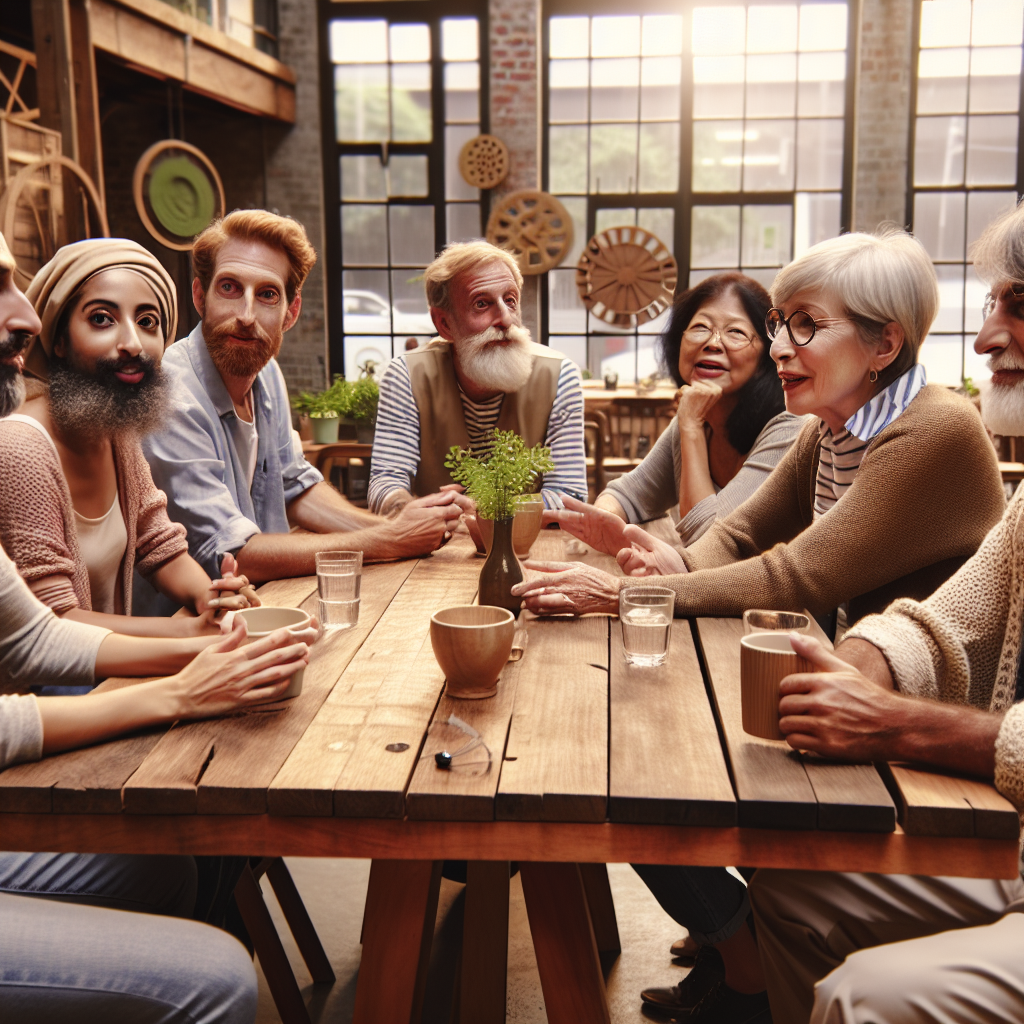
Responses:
[481,419]
[840,455]
[396,443]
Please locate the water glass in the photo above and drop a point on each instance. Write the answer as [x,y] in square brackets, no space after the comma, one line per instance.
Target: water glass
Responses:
[759,620]
[338,574]
[646,616]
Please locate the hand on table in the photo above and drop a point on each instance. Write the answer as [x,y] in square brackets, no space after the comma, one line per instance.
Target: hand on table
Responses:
[647,555]
[568,587]
[425,524]
[594,526]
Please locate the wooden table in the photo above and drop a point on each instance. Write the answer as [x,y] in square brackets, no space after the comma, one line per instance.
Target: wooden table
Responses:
[593,761]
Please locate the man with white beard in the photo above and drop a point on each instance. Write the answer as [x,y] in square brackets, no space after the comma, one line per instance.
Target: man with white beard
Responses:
[939,682]
[482,372]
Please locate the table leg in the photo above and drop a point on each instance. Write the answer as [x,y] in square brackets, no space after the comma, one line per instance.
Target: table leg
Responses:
[602,909]
[563,938]
[398,926]
[484,968]
[301,926]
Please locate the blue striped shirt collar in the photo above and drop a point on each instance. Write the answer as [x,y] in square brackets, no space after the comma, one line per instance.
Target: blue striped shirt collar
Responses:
[874,416]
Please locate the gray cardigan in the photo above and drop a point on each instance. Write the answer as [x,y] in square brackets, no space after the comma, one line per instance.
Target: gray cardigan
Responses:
[652,488]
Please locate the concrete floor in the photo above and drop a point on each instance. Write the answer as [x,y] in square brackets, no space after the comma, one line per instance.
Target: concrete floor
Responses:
[334,891]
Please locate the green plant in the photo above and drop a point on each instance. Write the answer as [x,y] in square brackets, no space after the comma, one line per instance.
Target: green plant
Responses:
[969,388]
[324,404]
[363,397]
[497,482]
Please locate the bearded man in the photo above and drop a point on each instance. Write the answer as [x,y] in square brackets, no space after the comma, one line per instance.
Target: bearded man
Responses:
[226,453]
[482,372]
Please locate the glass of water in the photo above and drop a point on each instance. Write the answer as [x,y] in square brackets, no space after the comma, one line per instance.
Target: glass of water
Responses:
[646,616]
[337,579]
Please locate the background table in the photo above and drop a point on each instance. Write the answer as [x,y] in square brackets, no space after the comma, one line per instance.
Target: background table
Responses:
[593,761]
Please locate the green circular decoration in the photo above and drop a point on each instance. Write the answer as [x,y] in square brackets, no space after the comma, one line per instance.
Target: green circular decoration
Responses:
[182,196]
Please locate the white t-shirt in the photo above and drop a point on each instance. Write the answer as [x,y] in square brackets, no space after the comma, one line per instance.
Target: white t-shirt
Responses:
[248,443]
[102,543]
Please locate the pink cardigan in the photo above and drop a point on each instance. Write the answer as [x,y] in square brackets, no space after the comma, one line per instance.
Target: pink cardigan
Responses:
[37,520]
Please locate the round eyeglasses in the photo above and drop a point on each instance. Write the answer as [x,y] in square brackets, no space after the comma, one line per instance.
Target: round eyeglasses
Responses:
[799,324]
[1016,289]
[733,339]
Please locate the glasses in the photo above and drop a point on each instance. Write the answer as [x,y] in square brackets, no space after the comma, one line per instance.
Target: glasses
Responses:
[733,339]
[1015,288]
[800,324]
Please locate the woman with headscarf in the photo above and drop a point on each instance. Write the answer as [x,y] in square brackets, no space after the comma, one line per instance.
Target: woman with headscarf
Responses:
[79,512]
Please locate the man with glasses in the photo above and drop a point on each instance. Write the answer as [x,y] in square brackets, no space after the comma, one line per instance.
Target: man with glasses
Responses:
[858,948]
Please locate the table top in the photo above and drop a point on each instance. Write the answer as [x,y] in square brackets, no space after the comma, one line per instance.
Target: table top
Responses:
[591,759]
[599,395]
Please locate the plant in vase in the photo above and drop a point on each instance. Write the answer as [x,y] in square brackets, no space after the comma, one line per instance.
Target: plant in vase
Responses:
[362,400]
[324,410]
[496,483]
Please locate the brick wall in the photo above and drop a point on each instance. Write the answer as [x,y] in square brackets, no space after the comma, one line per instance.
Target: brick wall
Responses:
[883,113]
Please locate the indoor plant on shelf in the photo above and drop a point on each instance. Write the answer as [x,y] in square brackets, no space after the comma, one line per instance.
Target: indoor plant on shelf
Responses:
[496,484]
[324,410]
[361,401]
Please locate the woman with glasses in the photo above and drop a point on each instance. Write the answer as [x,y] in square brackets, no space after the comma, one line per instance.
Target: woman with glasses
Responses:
[730,431]
[888,489]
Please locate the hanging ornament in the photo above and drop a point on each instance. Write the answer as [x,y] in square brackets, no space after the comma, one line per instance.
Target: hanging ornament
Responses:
[483,161]
[534,226]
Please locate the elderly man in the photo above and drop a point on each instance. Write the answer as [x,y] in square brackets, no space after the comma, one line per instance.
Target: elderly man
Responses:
[482,373]
[226,455]
[866,948]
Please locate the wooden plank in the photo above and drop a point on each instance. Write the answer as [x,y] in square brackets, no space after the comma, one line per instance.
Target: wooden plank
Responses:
[850,796]
[224,765]
[483,973]
[556,759]
[386,696]
[667,765]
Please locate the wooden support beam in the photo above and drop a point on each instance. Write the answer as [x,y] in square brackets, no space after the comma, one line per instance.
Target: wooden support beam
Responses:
[51,28]
[87,100]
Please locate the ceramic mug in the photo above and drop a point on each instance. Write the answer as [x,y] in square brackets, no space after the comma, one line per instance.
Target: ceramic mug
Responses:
[765,660]
[472,643]
[262,621]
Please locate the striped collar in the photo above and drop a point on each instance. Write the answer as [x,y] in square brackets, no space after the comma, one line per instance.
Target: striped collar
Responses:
[874,416]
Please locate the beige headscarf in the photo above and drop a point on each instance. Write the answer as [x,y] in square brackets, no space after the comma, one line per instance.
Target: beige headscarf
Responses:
[59,281]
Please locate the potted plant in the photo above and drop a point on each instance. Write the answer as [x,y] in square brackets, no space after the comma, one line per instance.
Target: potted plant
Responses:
[496,484]
[362,400]
[324,410]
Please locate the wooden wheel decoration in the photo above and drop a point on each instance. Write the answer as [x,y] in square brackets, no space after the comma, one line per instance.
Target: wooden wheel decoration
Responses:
[177,191]
[535,227]
[483,161]
[626,276]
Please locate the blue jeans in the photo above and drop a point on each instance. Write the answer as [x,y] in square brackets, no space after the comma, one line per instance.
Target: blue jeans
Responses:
[62,962]
[709,903]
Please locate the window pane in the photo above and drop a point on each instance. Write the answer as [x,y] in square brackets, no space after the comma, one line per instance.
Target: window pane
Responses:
[995,79]
[718,86]
[362,177]
[364,235]
[567,159]
[411,316]
[615,37]
[975,366]
[410,43]
[455,185]
[565,310]
[615,217]
[975,291]
[659,88]
[407,176]
[942,81]
[768,156]
[939,224]
[613,150]
[613,353]
[717,155]
[361,102]
[661,223]
[715,236]
[661,35]
[995,22]
[412,235]
[364,301]
[823,26]
[822,88]
[983,208]
[992,150]
[460,39]
[765,278]
[573,348]
[614,89]
[659,157]
[767,235]
[359,42]
[771,29]
[462,92]
[569,37]
[359,350]
[568,80]
[819,160]
[939,150]
[815,217]
[410,103]
[942,356]
[945,22]
[719,29]
[577,210]
[951,298]
[464,222]
[771,85]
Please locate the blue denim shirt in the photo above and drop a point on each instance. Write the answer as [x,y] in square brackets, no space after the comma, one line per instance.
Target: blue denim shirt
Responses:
[195,460]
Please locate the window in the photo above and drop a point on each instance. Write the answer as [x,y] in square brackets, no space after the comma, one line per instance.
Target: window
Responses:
[404,95]
[966,168]
[721,129]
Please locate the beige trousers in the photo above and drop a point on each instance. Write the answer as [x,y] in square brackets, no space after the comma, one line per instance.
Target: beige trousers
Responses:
[889,949]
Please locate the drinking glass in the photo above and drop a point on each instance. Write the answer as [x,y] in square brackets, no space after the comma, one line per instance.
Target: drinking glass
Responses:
[646,617]
[338,574]
[760,620]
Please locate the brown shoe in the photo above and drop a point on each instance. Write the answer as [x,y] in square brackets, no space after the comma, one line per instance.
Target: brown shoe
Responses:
[684,949]
[708,970]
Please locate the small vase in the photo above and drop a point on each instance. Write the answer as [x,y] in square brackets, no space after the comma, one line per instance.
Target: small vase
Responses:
[325,429]
[502,571]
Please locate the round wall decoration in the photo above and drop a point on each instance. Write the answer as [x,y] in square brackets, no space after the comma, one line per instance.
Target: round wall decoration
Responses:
[177,192]
[626,276]
[483,161]
[535,227]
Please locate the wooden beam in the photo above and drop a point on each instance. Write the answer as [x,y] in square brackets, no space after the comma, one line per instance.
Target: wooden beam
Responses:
[51,28]
[87,100]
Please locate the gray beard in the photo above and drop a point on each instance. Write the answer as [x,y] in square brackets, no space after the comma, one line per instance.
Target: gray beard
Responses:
[12,390]
[1002,408]
[492,368]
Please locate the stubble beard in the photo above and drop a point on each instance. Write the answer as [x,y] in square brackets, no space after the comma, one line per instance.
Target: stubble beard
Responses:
[240,359]
[12,384]
[1002,405]
[497,367]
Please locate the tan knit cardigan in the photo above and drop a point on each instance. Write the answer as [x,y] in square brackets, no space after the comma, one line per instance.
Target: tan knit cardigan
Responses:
[927,492]
[37,519]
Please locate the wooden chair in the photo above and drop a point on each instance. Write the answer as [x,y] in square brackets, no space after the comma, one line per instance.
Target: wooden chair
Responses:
[630,430]
[595,433]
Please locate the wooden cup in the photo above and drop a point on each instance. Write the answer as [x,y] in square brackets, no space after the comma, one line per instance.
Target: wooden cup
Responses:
[262,621]
[765,660]
[472,643]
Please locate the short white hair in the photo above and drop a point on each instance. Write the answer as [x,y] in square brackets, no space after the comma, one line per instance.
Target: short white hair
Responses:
[998,255]
[460,256]
[879,279]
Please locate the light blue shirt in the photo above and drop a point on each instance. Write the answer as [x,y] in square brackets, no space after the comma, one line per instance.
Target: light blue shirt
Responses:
[197,457]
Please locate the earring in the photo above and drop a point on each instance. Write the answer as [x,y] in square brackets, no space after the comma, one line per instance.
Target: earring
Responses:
[873,376]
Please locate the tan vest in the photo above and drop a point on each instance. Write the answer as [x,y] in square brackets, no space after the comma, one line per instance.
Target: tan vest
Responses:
[442,423]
